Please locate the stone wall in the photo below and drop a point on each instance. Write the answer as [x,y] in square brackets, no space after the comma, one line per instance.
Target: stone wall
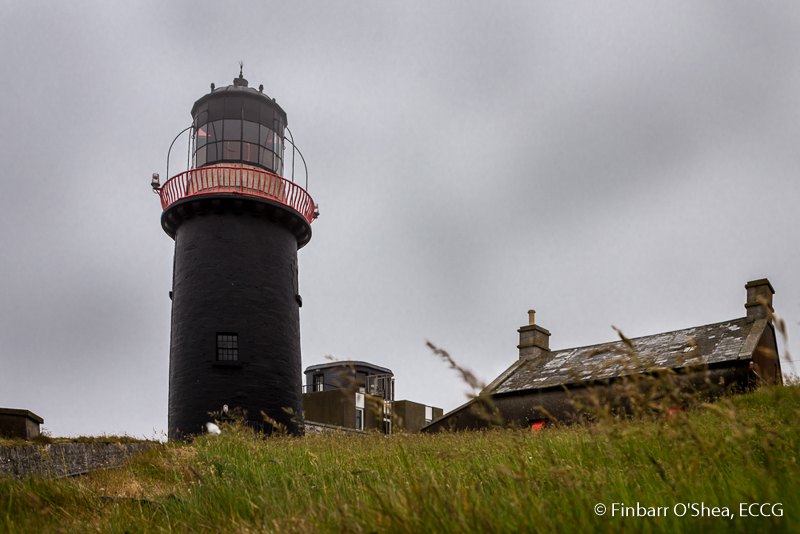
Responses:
[65,459]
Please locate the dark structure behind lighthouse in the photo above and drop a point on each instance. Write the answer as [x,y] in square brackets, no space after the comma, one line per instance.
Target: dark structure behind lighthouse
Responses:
[237,225]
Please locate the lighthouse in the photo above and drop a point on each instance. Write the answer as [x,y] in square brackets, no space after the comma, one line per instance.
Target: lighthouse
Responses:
[238,223]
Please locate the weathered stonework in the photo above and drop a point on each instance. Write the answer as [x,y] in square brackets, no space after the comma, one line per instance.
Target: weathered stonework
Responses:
[65,459]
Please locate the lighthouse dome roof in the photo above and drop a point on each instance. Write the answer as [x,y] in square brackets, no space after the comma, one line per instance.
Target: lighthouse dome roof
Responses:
[239,87]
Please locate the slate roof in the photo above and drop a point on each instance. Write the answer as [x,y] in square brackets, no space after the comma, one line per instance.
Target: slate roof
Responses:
[714,343]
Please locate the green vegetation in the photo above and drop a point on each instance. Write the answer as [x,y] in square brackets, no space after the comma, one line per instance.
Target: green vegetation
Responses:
[739,450]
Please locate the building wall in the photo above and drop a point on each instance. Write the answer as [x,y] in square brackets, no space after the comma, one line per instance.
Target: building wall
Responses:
[556,405]
[334,407]
[13,426]
[31,428]
[438,413]
[409,416]
[766,362]
[338,407]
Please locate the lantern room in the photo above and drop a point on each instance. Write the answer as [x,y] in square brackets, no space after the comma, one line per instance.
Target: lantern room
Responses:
[238,125]
[236,147]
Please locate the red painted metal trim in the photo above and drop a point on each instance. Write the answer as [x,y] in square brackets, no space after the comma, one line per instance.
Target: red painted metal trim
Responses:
[237,180]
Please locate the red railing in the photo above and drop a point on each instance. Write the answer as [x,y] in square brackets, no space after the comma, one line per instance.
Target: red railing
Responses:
[237,180]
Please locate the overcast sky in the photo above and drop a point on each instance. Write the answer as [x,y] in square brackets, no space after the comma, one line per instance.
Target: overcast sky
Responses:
[604,163]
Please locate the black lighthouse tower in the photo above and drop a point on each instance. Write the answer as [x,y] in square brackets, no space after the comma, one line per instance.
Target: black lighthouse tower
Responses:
[237,225]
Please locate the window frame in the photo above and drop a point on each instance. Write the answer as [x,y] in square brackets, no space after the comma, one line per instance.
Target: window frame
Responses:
[317,382]
[221,350]
[359,418]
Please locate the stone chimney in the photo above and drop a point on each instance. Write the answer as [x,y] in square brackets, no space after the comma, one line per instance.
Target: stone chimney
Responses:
[759,298]
[533,339]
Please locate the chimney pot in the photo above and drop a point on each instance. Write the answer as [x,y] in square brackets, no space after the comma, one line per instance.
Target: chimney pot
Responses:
[531,314]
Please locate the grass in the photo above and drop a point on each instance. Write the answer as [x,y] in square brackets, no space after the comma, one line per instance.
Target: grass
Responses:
[742,449]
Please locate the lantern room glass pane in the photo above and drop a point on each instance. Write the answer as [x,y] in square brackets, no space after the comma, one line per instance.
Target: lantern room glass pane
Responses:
[214,131]
[201,136]
[266,158]
[250,153]
[231,150]
[233,130]
[250,132]
[267,137]
[211,152]
[200,157]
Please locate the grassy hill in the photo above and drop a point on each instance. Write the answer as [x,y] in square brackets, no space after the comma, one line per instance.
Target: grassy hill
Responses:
[739,450]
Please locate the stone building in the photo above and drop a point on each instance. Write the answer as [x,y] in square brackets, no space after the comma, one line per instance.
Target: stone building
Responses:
[20,424]
[708,360]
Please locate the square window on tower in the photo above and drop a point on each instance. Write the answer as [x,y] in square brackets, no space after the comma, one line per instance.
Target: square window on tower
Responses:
[227,347]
